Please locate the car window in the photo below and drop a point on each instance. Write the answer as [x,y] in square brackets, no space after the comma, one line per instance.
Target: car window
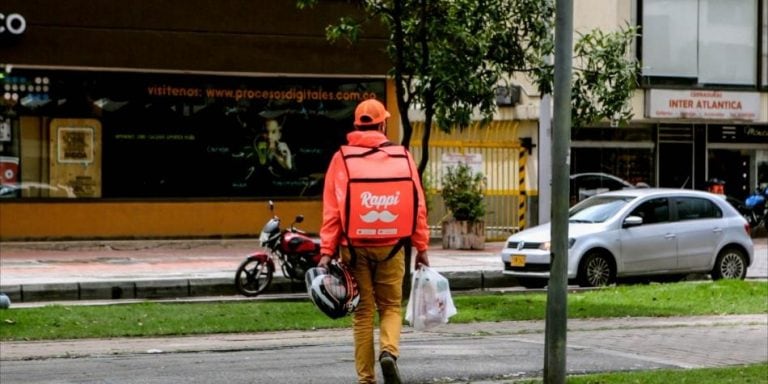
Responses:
[653,211]
[597,209]
[693,208]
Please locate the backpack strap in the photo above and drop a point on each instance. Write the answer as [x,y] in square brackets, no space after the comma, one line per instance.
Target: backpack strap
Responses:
[395,249]
[369,152]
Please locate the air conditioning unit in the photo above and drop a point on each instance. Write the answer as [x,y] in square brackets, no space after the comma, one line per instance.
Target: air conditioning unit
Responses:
[508,96]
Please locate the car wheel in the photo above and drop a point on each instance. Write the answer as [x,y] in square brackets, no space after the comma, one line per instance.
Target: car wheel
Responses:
[596,270]
[532,283]
[731,263]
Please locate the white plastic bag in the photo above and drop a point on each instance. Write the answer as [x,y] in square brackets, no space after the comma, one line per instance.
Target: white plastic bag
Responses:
[430,303]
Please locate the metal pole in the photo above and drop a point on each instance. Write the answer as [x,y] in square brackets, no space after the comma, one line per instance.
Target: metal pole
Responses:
[557,292]
[545,157]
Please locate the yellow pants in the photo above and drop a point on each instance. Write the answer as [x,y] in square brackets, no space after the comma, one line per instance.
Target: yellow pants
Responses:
[380,283]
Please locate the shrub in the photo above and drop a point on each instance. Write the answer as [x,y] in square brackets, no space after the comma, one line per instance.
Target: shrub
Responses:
[463,193]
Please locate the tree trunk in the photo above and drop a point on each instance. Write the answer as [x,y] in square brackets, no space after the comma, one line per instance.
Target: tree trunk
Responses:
[463,234]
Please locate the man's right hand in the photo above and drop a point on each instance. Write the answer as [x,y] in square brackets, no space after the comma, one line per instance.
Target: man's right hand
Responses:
[324,260]
[422,259]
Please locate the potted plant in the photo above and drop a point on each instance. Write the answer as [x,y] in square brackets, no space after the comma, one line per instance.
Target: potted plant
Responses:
[463,195]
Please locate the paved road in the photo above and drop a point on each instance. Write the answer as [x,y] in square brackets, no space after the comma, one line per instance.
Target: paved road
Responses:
[469,353]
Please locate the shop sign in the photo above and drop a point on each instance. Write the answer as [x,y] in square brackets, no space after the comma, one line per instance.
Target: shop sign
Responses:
[12,23]
[703,104]
[473,160]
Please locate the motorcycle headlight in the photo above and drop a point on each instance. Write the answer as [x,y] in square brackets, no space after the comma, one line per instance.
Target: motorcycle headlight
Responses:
[263,237]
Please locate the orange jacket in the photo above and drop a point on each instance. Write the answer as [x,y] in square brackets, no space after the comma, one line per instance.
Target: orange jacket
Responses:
[334,195]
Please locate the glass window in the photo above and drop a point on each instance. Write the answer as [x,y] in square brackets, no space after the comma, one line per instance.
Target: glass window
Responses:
[691,208]
[707,41]
[633,165]
[727,41]
[597,209]
[670,38]
[147,135]
[653,211]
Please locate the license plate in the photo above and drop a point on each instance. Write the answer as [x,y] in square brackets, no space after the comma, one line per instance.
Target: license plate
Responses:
[517,261]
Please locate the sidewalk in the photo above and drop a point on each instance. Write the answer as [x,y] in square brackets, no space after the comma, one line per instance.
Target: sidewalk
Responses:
[151,269]
[141,269]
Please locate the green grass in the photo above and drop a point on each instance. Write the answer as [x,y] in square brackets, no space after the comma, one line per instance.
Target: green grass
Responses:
[166,319]
[656,300]
[743,374]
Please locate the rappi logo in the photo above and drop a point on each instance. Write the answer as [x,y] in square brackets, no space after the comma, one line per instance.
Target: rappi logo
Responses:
[376,203]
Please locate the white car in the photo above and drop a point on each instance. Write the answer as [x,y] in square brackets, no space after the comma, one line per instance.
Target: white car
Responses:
[638,232]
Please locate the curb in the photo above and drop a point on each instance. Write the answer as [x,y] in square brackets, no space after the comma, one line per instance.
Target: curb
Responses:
[201,287]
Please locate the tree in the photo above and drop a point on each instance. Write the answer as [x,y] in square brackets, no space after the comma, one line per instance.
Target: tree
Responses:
[449,56]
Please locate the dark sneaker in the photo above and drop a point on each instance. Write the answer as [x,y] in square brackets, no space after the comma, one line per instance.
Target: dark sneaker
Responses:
[389,368]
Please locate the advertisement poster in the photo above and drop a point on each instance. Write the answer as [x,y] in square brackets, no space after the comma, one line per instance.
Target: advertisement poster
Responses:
[75,156]
[228,137]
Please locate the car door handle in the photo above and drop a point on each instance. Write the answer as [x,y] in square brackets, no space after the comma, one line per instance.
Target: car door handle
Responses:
[670,236]
[717,230]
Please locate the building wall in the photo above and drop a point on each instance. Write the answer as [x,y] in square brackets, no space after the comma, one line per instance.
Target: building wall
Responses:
[246,38]
[146,219]
[259,36]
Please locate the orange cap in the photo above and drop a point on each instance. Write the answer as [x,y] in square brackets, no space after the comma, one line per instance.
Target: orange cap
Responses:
[370,112]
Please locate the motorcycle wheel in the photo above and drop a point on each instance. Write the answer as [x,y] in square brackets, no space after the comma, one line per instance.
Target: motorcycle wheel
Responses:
[253,277]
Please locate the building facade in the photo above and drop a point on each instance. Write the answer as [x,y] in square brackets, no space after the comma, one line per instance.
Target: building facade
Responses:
[183,118]
[701,112]
[173,118]
[701,108]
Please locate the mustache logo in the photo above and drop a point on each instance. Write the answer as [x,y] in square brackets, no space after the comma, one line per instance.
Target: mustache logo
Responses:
[372,216]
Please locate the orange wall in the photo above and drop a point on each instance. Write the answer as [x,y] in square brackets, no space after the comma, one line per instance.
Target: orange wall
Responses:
[92,220]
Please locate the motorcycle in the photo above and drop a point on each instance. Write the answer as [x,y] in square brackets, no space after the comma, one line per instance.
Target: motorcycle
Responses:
[292,248]
[757,210]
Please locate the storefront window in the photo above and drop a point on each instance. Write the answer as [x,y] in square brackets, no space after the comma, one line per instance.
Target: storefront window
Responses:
[625,153]
[738,155]
[732,167]
[139,135]
[633,165]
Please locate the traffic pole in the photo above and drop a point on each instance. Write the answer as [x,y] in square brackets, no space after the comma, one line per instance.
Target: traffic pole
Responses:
[557,291]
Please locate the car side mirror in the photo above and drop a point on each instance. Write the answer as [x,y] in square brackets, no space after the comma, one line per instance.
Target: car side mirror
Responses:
[632,221]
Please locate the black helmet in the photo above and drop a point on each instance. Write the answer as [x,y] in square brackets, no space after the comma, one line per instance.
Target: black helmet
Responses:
[333,290]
